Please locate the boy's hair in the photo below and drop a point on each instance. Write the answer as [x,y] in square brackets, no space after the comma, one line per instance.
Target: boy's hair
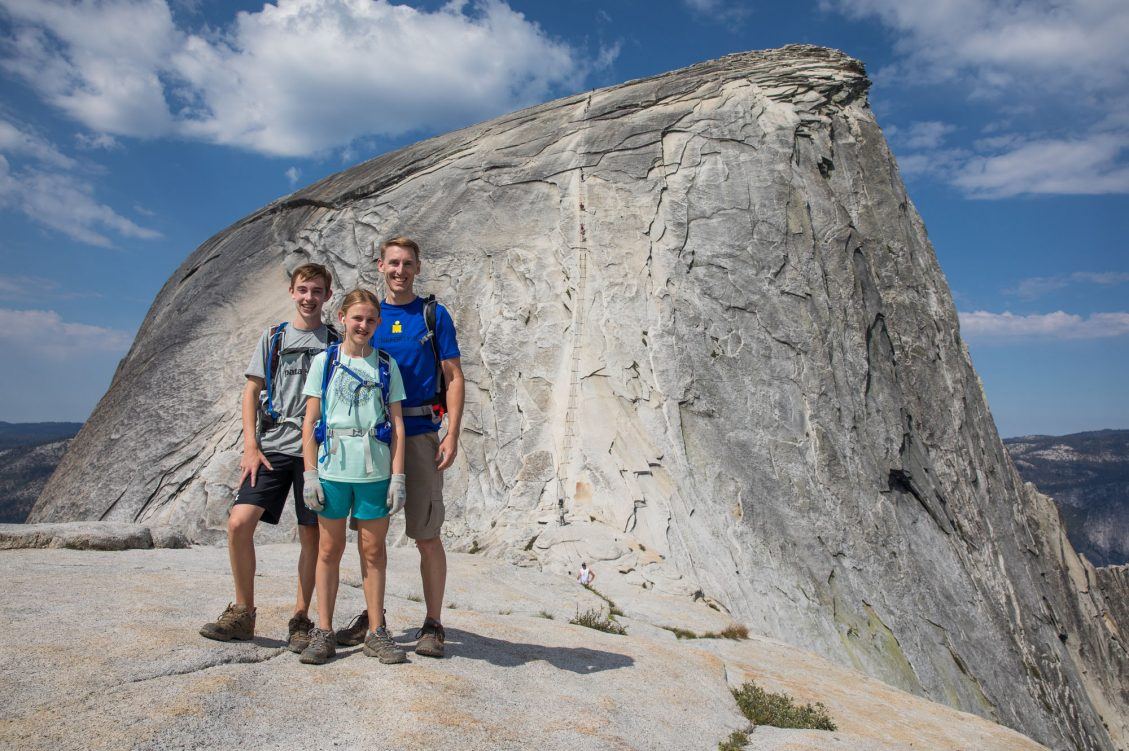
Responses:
[359,296]
[309,271]
[403,242]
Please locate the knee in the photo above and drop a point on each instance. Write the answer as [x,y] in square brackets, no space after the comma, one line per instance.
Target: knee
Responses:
[428,548]
[330,550]
[376,554]
[241,527]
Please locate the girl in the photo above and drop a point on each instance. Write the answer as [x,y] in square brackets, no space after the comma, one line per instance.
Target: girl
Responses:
[349,471]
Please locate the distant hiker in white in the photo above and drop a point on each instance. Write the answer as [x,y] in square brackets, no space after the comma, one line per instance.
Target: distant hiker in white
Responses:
[273,407]
[586,575]
[420,335]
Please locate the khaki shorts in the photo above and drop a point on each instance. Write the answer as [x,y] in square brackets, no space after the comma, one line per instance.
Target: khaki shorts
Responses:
[423,511]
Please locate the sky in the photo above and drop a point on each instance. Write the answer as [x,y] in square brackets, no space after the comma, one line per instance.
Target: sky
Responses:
[133,130]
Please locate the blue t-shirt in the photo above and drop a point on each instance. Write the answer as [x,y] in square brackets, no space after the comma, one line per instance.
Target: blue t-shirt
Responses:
[402,333]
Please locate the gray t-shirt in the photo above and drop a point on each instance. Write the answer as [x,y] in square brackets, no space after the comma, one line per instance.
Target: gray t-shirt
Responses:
[297,351]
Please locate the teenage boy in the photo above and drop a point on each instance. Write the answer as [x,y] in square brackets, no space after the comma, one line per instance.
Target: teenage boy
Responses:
[272,456]
[403,334]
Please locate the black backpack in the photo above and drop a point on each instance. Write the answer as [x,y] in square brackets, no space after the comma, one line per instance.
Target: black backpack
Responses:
[438,402]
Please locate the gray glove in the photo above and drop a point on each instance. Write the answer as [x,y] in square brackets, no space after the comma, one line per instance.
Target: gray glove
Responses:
[312,494]
[397,494]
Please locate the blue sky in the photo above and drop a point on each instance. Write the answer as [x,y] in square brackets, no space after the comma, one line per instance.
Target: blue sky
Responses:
[133,130]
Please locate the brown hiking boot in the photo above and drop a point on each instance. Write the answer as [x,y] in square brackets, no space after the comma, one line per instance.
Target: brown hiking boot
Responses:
[354,633]
[298,633]
[322,646]
[236,622]
[379,644]
[431,639]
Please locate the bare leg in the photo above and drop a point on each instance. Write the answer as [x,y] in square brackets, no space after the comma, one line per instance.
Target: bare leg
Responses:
[331,545]
[241,523]
[307,566]
[374,566]
[433,570]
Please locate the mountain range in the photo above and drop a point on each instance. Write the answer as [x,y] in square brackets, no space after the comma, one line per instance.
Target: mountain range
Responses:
[1088,476]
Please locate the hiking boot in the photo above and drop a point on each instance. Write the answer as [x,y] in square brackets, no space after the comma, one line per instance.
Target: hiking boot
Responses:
[354,633]
[236,622]
[379,644]
[431,638]
[322,646]
[298,633]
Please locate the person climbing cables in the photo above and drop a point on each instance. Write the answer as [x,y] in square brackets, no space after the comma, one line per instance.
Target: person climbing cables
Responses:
[586,575]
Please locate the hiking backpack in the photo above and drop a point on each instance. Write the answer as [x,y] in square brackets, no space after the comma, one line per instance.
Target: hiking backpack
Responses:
[270,415]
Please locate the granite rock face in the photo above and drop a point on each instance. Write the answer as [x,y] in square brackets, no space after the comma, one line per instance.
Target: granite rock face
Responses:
[700,313]
[90,536]
[517,676]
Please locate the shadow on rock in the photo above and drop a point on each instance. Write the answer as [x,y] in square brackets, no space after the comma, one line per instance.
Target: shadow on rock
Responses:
[509,654]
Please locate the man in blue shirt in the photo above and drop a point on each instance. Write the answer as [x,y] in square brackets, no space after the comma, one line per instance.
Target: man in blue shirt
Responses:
[403,334]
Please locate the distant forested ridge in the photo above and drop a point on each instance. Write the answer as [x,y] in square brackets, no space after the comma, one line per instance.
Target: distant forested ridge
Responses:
[29,453]
[35,433]
[1088,476]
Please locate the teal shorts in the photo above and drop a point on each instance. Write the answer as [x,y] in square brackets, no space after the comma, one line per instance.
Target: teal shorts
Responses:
[366,500]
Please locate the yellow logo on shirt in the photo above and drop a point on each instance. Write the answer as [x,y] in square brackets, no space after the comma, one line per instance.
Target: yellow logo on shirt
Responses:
[397,328]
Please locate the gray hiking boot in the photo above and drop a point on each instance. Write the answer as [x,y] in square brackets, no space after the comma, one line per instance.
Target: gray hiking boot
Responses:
[431,639]
[322,646]
[298,633]
[236,622]
[354,633]
[379,644]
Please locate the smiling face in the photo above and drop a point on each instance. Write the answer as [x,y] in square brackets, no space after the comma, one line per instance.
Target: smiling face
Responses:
[399,266]
[309,296]
[359,321]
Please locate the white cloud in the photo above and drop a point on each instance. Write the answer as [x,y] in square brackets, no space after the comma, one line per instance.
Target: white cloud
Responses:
[938,162]
[1008,326]
[97,61]
[1060,60]
[14,140]
[292,176]
[921,135]
[53,194]
[1088,165]
[733,11]
[1037,286]
[44,333]
[1003,44]
[65,204]
[23,287]
[103,141]
[296,78]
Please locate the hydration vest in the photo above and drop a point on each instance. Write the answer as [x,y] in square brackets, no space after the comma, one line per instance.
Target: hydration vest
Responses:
[323,434]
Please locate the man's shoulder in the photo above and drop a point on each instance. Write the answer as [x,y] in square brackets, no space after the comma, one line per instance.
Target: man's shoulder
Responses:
[443,315]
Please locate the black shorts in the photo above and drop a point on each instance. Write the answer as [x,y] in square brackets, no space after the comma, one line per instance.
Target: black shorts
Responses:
[273,485]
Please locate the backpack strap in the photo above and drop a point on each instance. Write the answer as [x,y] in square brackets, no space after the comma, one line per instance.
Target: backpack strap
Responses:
[383,431]
[274,354]
[439,399]
[331,360]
